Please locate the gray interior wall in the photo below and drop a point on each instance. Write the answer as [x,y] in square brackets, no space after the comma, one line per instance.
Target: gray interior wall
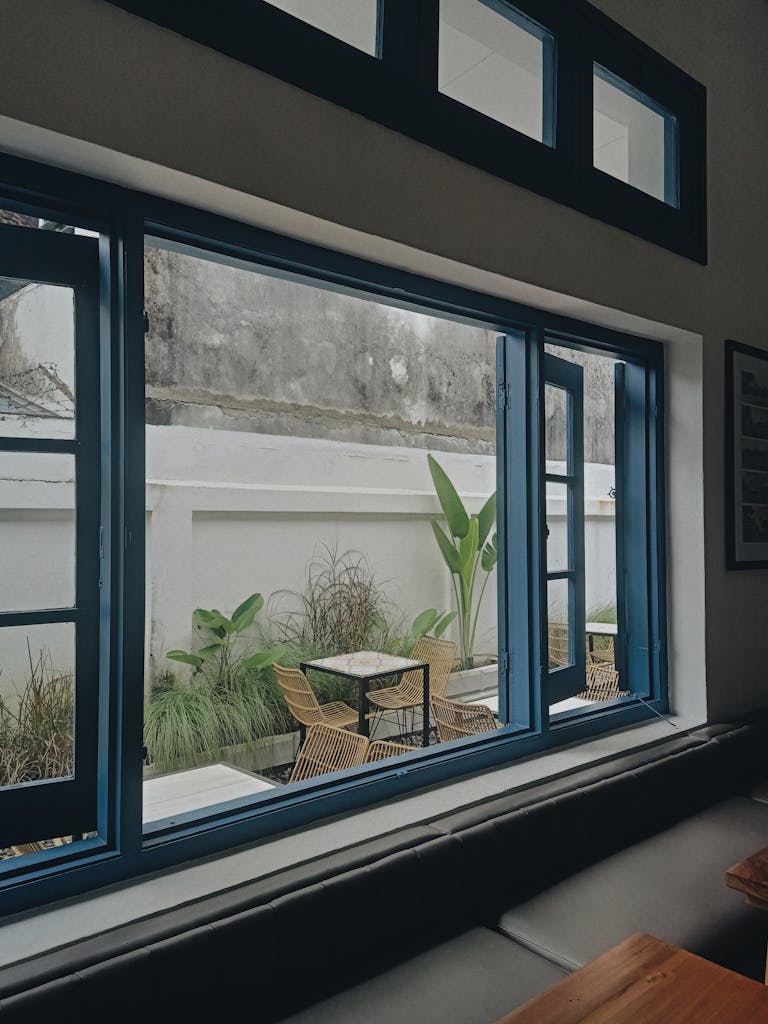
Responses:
[90,71]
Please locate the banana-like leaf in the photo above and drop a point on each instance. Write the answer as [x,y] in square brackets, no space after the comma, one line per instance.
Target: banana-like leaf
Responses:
[424,621]
[221,622]
[485,519]
[468,549]
[188,659]
[245,613]
[488,558]
[208,652]
[203,616]
[448,551]
[261,659]
[450,502]
[444,623]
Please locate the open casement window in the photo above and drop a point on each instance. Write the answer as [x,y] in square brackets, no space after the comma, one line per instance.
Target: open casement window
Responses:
[563,565]
[49,517]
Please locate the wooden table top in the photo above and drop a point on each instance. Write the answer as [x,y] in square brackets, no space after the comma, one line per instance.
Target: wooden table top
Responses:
[646,981]
[750,876]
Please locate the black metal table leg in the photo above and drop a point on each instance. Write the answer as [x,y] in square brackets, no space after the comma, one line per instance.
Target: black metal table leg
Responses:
[362,720]
[425,731]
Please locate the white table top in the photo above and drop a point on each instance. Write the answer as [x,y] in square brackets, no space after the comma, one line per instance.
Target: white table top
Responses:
[365,663]
[602,628]
[169,795]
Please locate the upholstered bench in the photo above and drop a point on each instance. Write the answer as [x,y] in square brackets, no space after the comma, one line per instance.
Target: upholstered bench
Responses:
[670,885]
[495,900]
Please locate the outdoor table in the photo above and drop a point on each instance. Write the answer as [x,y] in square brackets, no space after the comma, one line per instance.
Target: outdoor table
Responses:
[646,981]
[593,629]
[366,666]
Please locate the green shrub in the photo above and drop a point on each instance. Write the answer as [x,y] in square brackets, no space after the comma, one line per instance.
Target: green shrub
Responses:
[36,737]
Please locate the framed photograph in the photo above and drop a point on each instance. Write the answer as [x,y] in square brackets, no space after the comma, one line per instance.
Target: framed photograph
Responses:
[746,456]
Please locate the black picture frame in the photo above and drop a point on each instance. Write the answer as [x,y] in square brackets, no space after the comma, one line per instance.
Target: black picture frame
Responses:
[746,456]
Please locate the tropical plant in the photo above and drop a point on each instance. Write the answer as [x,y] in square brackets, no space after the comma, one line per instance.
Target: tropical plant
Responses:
[343,607]
[36,730]
[231,698]
[219,658]
[468,549]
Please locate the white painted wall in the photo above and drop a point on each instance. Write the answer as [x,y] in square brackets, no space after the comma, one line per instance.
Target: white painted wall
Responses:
[230,513]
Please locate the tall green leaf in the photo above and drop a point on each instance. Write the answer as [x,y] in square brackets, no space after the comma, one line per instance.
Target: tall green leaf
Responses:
[245,613]
[444,623]
[187,659]
[448,551]
[485,519]
[424,621]
[450,502]
[467,552]
[488,559]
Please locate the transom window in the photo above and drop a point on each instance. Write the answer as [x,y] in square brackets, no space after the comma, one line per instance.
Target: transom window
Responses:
[516,89]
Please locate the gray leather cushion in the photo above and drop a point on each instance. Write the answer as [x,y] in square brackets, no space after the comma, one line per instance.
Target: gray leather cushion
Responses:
[670,885]
[474,978]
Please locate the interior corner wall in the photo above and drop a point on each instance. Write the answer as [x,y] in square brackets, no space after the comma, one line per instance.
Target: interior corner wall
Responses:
[102,78]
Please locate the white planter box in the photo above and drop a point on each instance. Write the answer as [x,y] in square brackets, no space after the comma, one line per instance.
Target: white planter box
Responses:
[472,683]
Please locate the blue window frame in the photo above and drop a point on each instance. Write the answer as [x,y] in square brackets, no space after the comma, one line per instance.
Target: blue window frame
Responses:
[61,802]
[566,380]
[106,793]
[473,117]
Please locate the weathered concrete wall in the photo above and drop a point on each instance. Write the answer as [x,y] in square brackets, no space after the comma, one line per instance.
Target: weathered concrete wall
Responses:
[238,350]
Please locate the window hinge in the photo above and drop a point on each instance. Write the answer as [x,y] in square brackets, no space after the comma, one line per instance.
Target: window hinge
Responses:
[503,395]
[101,542]
[503,661]
[146,322]
[145,755]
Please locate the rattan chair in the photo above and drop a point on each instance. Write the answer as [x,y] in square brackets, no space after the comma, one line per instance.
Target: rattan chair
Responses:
[603,655]
[558,644]
[455,720]
[381,749]
[329,749]
[303,704]
[37,847]
[602,683]
[409,692]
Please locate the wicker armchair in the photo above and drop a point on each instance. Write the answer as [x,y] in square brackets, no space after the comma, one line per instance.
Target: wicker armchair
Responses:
[381,749]
[303,704]
[603,655]
[558,644]
[455,720]
[328,749]
[409,692]
[23,848]
[602,683]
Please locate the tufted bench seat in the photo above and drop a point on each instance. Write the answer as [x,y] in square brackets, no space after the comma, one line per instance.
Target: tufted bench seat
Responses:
[495,900]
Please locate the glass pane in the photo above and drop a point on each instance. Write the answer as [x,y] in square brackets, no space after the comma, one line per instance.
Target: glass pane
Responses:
[353,21]
[600,504]
[557,527]
[37,531]
[492,58]
[558,623]
[37,703]
[37,359]
[634,139]
[556,429]
[289,430]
